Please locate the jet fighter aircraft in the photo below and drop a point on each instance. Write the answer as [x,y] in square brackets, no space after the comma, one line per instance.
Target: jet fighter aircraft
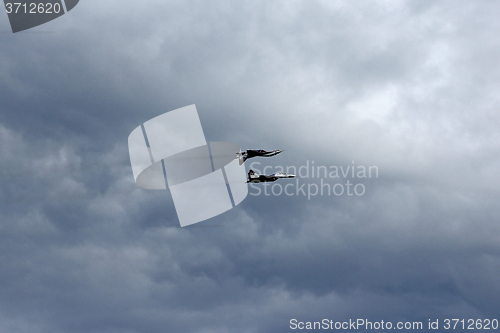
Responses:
[256,178]
[254,153]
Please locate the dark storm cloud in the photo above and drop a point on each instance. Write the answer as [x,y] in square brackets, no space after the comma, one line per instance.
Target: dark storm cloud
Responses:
[408,87]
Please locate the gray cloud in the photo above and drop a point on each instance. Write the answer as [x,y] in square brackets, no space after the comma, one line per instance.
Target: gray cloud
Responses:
[408,87]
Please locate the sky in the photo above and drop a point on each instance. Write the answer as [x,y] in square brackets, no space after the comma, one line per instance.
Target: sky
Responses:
[408,87]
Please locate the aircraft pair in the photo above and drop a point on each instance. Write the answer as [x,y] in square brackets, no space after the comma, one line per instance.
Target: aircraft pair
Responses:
[254,177]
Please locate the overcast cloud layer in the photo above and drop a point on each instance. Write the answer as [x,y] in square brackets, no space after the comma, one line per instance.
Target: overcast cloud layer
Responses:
[408,86]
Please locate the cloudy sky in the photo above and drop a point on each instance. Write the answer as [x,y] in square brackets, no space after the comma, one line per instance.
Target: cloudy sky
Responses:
[410,87]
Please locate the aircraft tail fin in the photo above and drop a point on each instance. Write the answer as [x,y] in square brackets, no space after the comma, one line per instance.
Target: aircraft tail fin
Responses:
[241,157]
